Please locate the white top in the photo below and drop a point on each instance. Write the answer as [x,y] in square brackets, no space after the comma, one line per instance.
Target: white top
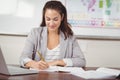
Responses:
[54,54]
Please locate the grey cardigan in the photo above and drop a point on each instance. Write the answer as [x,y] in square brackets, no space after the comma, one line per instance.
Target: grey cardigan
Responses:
[37,41]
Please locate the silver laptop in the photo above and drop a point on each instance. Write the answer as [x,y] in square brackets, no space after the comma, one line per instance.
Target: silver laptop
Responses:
[12,70]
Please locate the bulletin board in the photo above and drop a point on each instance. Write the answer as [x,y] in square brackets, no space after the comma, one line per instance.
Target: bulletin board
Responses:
[90,18]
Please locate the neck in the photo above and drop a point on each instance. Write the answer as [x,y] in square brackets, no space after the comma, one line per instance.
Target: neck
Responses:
[52,32]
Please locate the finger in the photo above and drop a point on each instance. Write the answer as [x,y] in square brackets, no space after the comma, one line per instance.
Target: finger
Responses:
[43,65]
[42,68]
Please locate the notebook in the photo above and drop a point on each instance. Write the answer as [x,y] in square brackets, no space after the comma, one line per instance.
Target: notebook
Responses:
[12,70]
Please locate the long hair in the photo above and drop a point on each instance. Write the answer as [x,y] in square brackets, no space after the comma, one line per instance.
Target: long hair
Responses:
[58,6]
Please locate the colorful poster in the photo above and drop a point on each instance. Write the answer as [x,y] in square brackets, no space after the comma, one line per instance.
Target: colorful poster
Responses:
[94,13]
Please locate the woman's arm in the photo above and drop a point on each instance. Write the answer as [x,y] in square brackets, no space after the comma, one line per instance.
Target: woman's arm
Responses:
[29,47]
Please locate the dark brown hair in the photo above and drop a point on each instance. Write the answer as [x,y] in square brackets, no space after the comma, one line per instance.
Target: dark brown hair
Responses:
[58,6]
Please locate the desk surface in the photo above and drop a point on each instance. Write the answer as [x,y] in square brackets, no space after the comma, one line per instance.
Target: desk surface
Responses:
[47,76]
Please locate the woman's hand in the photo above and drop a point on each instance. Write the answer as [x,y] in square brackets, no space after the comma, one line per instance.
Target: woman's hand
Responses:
[40,65]
[56,63]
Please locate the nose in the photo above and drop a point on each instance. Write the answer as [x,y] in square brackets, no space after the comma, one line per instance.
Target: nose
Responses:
[51,23]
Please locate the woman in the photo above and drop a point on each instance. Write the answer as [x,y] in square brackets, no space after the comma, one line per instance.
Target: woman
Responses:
[53,40]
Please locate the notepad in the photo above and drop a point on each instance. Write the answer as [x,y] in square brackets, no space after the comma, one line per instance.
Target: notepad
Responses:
[100,73]
[61,69]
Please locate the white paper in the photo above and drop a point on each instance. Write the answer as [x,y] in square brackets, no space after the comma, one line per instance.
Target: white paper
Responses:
[100,73]
[109,71]
[61,69]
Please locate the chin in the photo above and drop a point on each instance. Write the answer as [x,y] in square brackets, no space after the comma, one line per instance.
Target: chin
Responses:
[52,29]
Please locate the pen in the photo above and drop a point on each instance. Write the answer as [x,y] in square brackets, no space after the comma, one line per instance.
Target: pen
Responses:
[40,55]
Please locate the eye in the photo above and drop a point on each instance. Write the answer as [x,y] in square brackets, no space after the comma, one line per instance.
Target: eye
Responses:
[56,19]
[47,19]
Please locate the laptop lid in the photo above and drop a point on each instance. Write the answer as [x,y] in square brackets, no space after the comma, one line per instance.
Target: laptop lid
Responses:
[12,70]
[3,66]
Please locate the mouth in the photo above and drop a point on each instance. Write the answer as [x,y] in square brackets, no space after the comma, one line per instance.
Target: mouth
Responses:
[52,27]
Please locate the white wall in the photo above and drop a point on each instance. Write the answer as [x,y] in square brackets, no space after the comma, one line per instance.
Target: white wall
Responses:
[98,53]
[101,53]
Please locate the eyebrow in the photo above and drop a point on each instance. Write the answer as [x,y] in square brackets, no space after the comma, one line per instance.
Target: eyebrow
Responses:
[53,18]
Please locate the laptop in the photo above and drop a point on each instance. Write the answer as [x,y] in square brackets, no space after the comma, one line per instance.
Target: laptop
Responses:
[13,70]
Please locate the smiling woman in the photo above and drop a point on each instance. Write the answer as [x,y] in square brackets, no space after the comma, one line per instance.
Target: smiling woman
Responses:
[54,39]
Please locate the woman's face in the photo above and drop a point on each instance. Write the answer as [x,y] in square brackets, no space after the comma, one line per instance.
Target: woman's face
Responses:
[52,19]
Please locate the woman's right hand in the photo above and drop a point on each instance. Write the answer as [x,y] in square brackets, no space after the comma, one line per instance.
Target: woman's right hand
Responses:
[40,65]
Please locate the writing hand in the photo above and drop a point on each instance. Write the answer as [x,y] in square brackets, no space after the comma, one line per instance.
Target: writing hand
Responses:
[40,65]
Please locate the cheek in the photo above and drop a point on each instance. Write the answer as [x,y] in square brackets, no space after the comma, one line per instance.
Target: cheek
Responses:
[57,24]
[46,22]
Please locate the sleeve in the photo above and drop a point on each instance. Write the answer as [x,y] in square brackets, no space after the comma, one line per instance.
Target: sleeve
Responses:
[28,49]
[78,57]
[68,62]
[75,55]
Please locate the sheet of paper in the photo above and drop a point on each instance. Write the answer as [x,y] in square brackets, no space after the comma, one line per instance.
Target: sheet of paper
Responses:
[70,69]
[100,73]
[109,71]
[50,69]
[94,75]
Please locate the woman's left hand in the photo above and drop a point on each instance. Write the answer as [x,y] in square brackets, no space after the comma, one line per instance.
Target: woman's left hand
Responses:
[56,63]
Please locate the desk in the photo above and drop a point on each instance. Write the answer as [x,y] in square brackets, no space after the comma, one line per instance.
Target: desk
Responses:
[47,76]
